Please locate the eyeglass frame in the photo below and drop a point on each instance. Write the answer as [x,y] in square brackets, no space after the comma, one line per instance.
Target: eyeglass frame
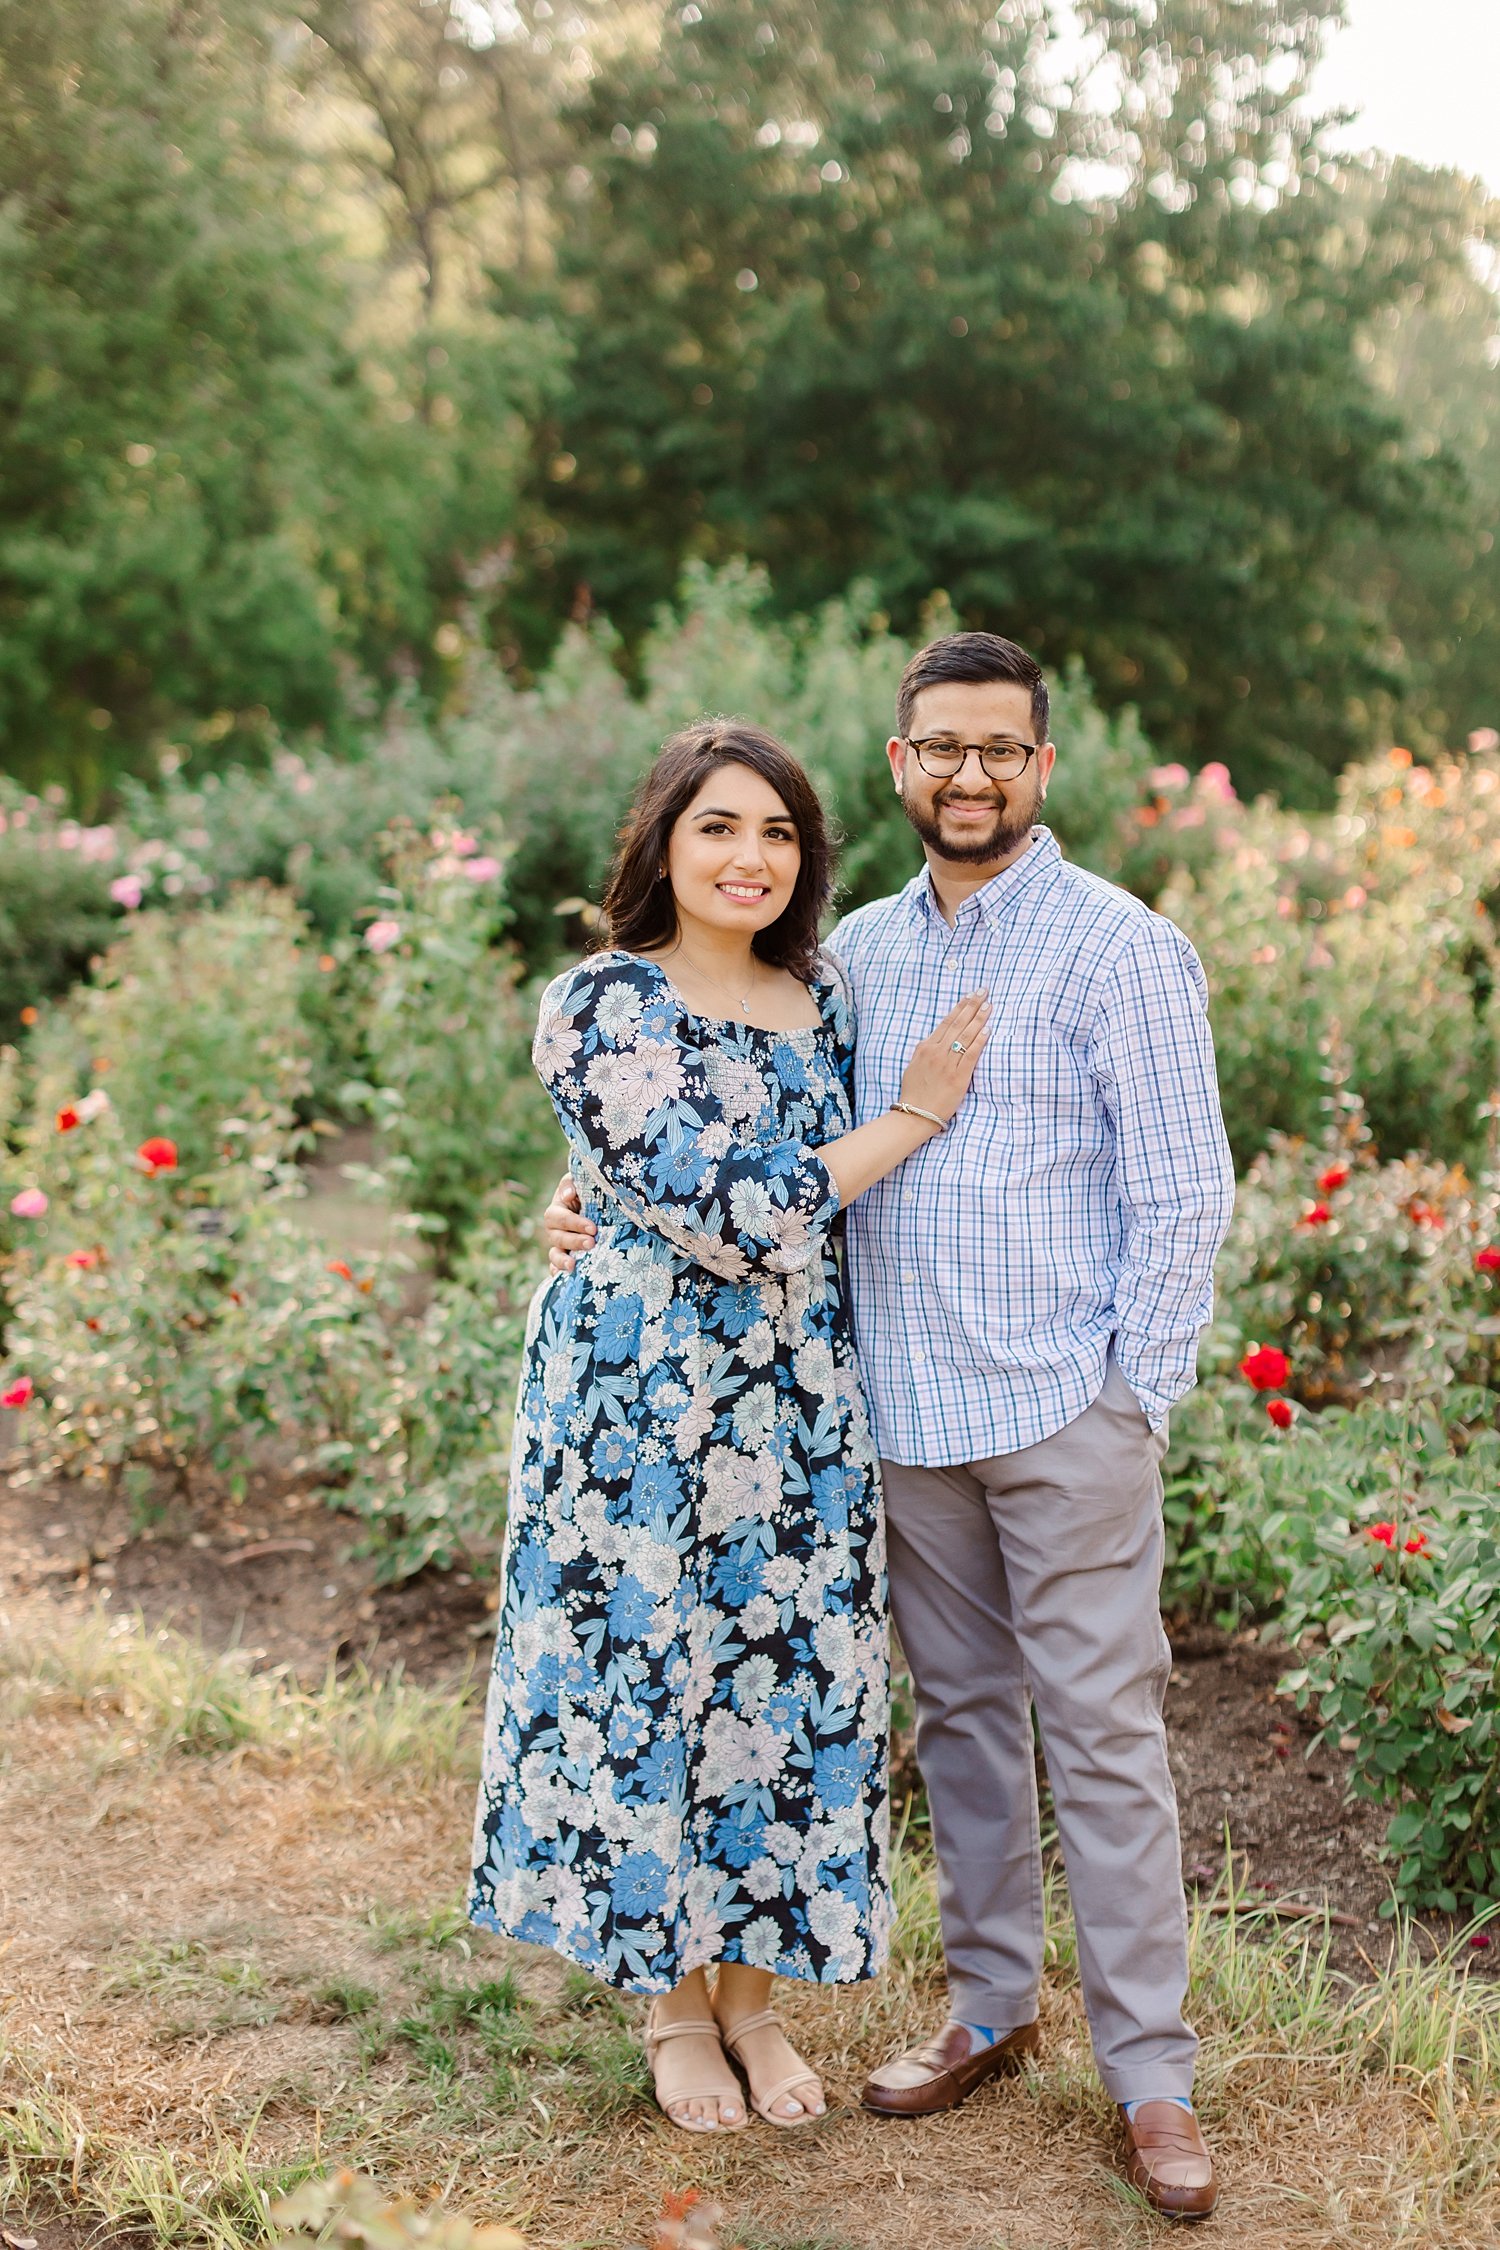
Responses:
[982,751]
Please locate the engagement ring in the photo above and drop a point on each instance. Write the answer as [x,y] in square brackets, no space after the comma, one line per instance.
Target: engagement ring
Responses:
[958,1048]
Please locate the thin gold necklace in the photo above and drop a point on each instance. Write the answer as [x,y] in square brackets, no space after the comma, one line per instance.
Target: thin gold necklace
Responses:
[742,1005]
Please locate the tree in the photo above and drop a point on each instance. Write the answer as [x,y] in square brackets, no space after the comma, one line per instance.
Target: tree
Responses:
[442,116]
[1436,354]
[212,508]
[843,294]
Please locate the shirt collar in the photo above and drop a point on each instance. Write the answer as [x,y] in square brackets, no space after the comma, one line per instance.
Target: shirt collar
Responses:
[999,895]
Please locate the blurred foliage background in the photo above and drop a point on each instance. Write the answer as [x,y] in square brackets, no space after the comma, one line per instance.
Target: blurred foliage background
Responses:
[412,410]
[339,341]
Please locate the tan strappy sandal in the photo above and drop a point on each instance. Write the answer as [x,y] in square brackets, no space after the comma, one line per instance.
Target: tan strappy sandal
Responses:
[765,2107]
[657,2036]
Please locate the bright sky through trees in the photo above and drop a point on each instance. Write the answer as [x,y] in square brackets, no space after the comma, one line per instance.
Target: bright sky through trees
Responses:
[1424,79]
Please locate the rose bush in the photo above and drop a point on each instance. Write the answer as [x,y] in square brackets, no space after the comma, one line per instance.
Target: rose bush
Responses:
[55,906]
[190,1019]
[428,1469]
[1337,1476]
[1356,954]
[1368,1538]
[159,1324]
[447,1037]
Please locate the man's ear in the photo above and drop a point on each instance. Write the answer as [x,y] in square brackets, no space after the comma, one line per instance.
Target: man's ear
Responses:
[1046,759]
[895,751]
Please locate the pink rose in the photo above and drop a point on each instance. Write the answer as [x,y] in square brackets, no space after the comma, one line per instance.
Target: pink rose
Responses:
[29,1204]
[382,935]
[482,870]
[126,890]
[1214,781]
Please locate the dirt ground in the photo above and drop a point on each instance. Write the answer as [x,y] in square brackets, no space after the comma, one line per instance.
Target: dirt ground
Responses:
[277,1576]
[181,1941]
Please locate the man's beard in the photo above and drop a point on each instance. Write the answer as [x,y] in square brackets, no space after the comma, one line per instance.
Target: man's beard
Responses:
[1015,817]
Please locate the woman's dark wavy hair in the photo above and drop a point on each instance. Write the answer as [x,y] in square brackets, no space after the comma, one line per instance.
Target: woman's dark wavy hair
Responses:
[640,912]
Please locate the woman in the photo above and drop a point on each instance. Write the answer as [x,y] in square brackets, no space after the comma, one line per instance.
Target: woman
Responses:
[685,1738]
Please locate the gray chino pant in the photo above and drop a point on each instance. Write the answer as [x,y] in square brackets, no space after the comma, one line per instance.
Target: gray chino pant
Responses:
[1035,1578]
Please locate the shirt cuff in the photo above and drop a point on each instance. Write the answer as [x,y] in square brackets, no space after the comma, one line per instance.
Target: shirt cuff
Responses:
[1157,1386]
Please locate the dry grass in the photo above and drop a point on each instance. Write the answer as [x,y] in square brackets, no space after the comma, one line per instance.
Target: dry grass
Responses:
[233,1957]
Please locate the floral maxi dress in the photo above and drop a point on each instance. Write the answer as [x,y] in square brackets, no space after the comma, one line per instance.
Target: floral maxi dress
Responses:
[685,1756]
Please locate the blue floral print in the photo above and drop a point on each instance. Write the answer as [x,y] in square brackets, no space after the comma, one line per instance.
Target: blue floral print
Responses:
[685,1736]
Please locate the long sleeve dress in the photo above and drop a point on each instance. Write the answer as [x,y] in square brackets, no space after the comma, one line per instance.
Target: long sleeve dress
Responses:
[685,1737]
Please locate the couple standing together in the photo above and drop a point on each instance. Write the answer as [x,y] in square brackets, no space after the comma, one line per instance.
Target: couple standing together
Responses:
[1004,1076]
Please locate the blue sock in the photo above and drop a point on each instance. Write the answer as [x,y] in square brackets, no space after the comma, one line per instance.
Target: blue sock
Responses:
[1183,2101]
[981,2033]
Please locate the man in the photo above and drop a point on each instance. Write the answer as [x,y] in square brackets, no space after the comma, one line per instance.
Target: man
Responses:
[1028,1290]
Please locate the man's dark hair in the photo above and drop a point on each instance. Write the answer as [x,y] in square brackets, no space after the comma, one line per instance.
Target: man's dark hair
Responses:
[973,656]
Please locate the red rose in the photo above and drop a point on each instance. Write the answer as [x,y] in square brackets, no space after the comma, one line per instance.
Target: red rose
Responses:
[1334,1177]
[1280,1411]
[157,1155]
[1423,1215]
[1384,1532]
[82,1259]
[18,1393]
[1417,1546]
[337,1265]
[92,1324]
[67,1118]
[1266,1368]
[1487,1261]
[1318,1216]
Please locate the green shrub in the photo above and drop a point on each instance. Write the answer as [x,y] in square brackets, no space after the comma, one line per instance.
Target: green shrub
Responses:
[55,906]
[1351,1265]
[1368,1537]
[555,765]
[191,1019]
[1361,945]
[1403,1614]
[167,1321]
[457,1104]
[161,1322]
[428,1467]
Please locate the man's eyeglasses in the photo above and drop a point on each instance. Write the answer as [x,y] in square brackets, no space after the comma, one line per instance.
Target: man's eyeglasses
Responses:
[941,757]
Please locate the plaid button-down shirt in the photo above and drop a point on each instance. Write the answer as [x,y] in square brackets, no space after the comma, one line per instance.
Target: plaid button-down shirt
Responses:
[1082,1190]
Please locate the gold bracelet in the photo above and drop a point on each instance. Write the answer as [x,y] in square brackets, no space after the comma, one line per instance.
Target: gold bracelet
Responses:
[910,1109]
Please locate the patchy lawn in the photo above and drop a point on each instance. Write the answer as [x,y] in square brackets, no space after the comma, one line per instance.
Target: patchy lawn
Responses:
[234,1954]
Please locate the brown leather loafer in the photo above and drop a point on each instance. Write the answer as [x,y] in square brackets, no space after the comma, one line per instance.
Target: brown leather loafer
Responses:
[941,2073]
[1167,2160]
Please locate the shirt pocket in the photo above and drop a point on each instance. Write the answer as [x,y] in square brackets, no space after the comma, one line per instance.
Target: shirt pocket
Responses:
[1041,1094]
